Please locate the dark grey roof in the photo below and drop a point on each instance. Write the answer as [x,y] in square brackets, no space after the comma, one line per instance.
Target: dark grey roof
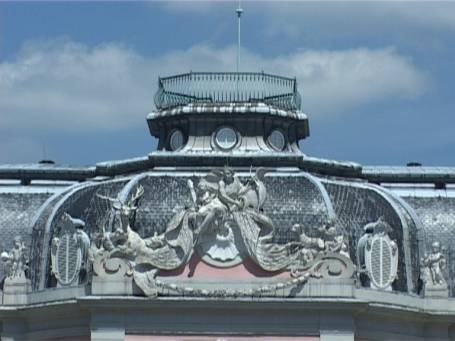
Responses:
[375,174]
[409,174]
[46,172]
[228,108]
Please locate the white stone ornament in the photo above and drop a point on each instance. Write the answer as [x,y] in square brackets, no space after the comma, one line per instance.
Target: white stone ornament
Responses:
[433,267]
[381,257]
[69,250]
[16,260]
[218,248]
[225,224]
[16,285]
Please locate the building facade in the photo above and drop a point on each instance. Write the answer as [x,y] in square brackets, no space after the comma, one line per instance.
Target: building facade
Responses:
[227,232]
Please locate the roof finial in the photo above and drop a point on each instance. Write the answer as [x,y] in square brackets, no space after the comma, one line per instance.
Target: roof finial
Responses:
[239,12]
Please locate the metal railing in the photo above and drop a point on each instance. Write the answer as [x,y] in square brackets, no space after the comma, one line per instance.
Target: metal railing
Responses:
[227,87]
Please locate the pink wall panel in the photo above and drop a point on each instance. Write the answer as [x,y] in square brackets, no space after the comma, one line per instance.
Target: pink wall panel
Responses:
[70,338]
[196,268]
[219,338]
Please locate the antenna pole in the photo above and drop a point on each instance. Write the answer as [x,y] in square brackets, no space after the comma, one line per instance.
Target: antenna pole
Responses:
[239,12]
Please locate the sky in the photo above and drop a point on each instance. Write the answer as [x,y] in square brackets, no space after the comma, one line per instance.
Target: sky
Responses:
[377,79]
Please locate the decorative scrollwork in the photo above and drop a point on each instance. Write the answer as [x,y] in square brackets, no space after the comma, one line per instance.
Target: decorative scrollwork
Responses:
[225,223]
[327,265]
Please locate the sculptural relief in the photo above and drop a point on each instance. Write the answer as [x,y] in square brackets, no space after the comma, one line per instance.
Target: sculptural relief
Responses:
[377,256]
[70,251]
[225,224]
[327,250]
[433,266]
[16,284]
[16,260]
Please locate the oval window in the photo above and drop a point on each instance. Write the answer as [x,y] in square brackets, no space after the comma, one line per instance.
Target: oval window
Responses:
[277,140]
[226,138]
[176,141]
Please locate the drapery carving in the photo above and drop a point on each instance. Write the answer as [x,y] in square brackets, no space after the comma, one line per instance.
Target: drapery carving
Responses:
[226,222]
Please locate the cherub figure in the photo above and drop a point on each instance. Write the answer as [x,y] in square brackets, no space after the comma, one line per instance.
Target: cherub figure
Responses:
[433,266]
[310,247]
[16,260]
[335,242]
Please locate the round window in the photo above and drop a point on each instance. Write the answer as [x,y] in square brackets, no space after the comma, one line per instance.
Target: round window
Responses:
[276,140]
[226,138]
[176,140]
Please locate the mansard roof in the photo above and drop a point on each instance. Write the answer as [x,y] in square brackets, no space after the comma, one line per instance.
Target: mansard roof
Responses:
[375,174]
[354,201]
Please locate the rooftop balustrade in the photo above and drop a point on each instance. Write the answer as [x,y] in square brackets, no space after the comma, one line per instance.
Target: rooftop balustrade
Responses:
[227,87]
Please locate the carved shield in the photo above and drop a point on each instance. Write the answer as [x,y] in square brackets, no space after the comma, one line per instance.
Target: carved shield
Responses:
[68,259]
[66,255]
[381,260]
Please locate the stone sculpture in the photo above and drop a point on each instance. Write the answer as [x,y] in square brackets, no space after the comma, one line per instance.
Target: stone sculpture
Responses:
[225,223]
[432,271]
[328,244]
[433,266]
[16,285]
[70,251]
[377,256]
[327,240]
[368,230]
[16,261]
[334,241]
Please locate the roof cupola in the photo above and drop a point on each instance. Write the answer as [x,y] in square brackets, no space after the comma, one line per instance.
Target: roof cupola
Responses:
[228,112]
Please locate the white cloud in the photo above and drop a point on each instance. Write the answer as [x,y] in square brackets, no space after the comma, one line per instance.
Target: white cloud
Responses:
[337,81]
[67,86]
[62,86]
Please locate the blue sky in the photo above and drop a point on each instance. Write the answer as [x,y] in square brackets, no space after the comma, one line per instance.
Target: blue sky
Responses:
[377,78]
